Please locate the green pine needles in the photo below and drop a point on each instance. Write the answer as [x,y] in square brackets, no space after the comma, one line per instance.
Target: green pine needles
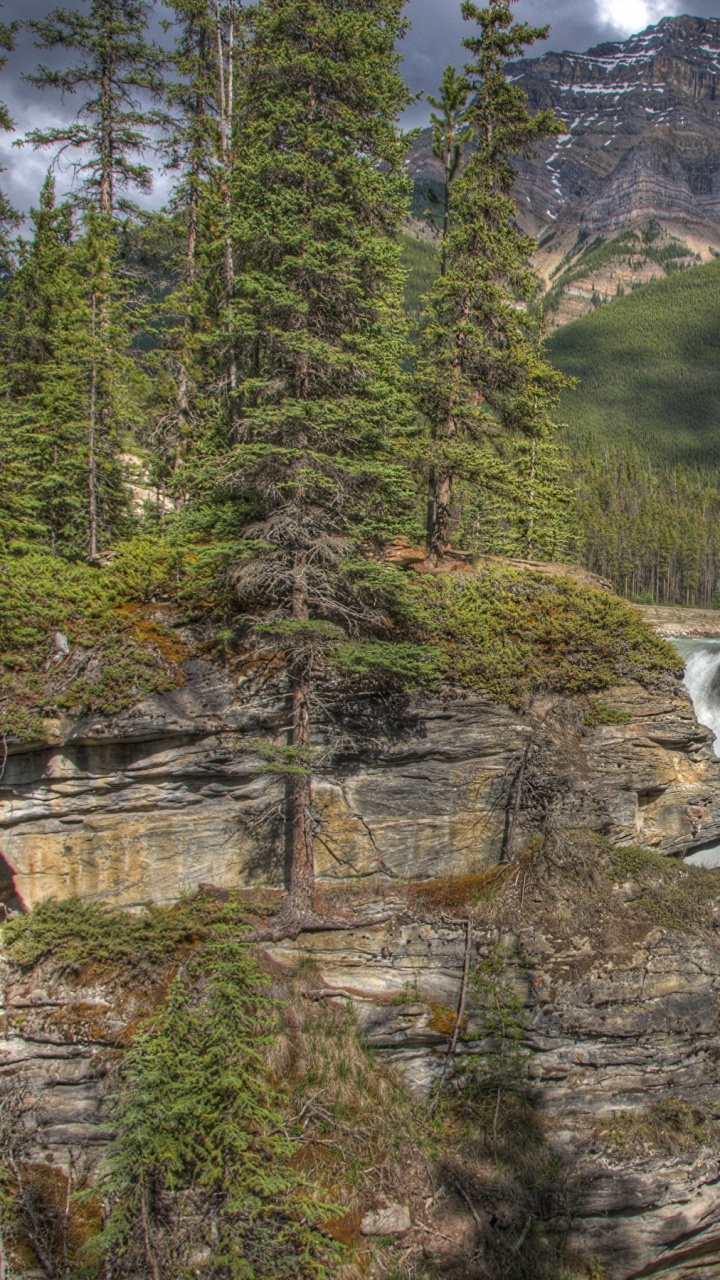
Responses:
[319,411]
[483,371]
[202,1141]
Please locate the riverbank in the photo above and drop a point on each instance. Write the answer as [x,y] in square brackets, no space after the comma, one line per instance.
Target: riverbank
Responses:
[674,620]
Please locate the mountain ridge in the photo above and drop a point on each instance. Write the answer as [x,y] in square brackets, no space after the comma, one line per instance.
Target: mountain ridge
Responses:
[641,148]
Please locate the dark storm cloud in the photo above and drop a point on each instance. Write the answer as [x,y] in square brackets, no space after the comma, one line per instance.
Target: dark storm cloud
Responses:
[434,40]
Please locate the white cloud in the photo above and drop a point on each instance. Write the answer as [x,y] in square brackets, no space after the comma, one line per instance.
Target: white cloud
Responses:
[629,16]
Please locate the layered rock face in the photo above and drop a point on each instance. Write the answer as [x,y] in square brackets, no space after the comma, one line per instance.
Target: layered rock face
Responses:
[174,794]
[642,134]
[615,1023]
[641,141]
[620,1005]
[620,1015]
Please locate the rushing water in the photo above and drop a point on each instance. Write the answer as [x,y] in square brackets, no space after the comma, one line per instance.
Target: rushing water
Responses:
[702,681]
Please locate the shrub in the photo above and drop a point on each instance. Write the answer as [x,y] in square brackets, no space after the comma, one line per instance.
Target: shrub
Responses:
[510,634]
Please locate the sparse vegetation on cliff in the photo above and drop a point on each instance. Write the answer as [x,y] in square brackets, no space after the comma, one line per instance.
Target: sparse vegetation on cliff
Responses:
[79,638]
[510,634]
[252,1126]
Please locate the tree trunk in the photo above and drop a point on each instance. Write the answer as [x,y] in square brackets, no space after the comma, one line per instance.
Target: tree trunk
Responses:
[92,470]
[439,502]
[225,105]
[182,403]
[106,140]
[302,873]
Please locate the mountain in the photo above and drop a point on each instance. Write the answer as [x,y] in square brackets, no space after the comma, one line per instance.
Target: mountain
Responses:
[641,152]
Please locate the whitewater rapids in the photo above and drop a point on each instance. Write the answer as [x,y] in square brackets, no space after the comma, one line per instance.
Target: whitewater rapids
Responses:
[702,681]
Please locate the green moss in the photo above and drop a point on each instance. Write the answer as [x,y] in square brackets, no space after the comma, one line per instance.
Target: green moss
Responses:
[673,894]
[601,713]
[509,634]
[671,1126]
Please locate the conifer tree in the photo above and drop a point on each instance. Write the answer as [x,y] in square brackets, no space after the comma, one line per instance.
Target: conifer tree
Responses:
[29,330]
[450,136]
[197,331]
[526,506]
[9,218]
[190,147]
[118,70]
[318,196]
[70,388]
[482,369]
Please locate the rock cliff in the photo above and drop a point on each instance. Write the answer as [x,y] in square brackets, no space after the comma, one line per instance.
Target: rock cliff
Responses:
[618,972]
[146,805]
[616,962]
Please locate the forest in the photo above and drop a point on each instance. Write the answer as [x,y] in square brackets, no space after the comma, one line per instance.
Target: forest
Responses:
[138,346]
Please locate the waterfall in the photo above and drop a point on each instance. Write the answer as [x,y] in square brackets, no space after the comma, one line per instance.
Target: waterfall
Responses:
[702,681]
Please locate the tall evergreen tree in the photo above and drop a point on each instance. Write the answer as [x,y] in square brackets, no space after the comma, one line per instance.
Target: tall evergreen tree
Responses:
[9,218]
[118,73]
[482,369]
[450,135]
[119,69]
[197,331]
[70,388]
[318,196]
[29,332]
[190,147]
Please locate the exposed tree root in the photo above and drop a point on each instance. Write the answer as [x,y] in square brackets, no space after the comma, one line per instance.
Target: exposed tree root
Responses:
[291,921]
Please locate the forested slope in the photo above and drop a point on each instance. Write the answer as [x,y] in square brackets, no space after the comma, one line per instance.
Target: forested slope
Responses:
[648,369]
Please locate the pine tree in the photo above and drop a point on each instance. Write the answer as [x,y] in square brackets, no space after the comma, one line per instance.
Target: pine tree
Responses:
[482,370]
[450,135]
[196,331]
[29,331]
[190,147]
[526,506]
[318,196]
[9,218]
[118,72]
[70,388]
[119,69]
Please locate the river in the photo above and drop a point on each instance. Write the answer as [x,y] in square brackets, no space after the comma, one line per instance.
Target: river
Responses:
[702,681]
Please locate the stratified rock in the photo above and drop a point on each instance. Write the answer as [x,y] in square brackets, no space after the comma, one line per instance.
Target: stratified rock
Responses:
[394,1220]
[146,805]
[641,145]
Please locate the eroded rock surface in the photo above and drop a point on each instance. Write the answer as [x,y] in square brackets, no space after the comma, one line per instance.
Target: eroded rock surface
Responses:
[618,1018]
[172,794]
[620,1005]
[620,1013]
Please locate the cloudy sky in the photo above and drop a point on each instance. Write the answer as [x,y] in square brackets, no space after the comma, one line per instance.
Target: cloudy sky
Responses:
[434,40]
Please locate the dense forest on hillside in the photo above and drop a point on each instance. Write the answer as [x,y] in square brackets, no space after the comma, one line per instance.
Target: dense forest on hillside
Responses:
[647,366]
[632,482]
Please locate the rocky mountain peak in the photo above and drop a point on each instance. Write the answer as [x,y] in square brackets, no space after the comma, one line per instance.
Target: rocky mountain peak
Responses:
[641,146]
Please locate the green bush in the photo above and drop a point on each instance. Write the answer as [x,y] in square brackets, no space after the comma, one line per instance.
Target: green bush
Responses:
[121,651]
[73,933]
[509,634]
